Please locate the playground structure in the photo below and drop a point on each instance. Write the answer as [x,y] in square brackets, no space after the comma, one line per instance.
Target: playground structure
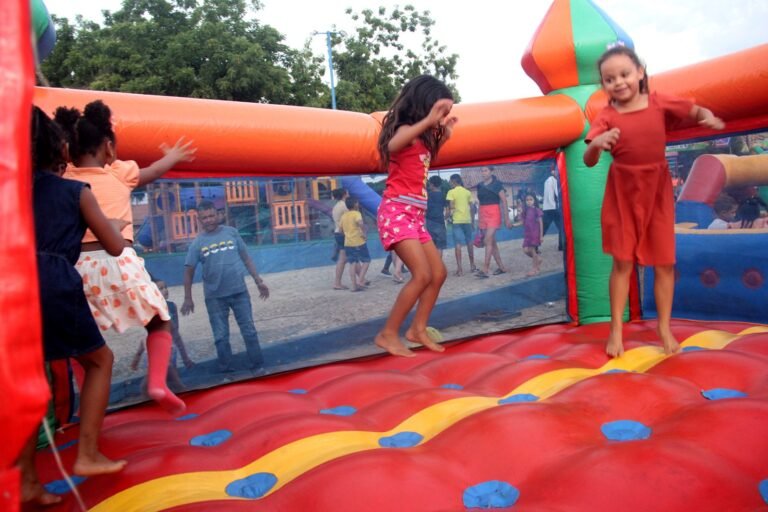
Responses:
[171,220]
[534,420]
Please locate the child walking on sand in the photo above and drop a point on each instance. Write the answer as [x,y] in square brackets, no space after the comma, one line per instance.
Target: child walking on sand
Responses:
[119,290]
[638,209]
[355,247]
[63,209]
[533,232]
[417,124]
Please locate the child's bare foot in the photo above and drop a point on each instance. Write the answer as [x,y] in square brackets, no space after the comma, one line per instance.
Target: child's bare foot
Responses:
[532,272]
[671,346]
[615,345]
[393,345]
[98,465]
[423,338]
[459,272]
[167,400]
[32,492]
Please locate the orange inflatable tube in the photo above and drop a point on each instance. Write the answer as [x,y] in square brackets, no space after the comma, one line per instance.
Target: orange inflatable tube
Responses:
[257,139]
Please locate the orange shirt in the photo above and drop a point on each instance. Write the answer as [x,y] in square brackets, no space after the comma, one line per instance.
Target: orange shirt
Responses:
[112,186]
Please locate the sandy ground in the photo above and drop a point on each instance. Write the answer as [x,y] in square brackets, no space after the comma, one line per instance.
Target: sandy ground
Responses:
[303,301]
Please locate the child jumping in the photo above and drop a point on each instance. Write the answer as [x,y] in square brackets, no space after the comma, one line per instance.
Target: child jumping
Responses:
[417,124]
[119,289]
[63,209]
[638,212]
[533,232]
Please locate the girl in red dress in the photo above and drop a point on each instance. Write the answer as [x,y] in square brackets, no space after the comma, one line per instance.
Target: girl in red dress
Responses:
[638,213]
[415,127]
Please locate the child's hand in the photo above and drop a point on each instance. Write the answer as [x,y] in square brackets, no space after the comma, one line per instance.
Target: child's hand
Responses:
[440,111]
[712,122]
[607,140]
[263,290]
[448,123]
[180,152]
[119,224]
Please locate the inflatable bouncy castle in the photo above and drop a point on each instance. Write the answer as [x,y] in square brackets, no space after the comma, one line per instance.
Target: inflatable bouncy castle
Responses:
[535,418]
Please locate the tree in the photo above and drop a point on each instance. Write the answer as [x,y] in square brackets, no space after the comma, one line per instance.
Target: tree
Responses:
[378,58]
[207,49]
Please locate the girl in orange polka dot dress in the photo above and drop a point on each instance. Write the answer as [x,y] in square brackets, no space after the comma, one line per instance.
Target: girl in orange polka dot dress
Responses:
[119,290]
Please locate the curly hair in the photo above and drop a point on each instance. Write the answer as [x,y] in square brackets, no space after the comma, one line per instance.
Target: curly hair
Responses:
[629,52]
[86,132]
[48,143]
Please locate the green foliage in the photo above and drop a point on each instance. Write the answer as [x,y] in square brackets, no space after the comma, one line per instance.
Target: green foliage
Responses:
[378,58]
[207,49]
[218,49]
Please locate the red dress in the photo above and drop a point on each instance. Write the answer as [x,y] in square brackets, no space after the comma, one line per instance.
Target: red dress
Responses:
[638,216]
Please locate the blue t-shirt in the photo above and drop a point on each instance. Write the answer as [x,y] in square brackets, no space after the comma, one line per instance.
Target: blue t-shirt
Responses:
[436,206]
[223,268]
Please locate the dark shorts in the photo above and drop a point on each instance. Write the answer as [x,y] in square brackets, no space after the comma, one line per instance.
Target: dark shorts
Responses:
[358,254]
[438,233]
[462,234]
[339,239]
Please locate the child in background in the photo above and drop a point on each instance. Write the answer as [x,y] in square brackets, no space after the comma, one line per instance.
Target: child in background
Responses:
[460,215]
[533,232]
[417,124]
[174,379]
[638,208]
[725,208]
[63,209]
[435,216]
[339,256]
[119,289]
[359,259]
[748,214]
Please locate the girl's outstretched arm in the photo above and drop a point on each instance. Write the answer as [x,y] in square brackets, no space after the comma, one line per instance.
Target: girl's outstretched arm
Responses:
[180,152]
[705,117]
[107,231]
[405,134]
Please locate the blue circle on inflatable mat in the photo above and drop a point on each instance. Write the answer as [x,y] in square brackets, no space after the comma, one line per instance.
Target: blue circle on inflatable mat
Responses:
[616,370]
[401,440]
[722,393]
[520,397]
[212,439]
[536,356]
[764,490]
[186,417]
[693,348]
[341,410]
[61,486]
[491,494]
[298,391]
[452,386]
[625,430]
[252,487]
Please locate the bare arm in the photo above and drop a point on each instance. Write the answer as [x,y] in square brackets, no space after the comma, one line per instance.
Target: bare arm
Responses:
[180,152]
[105,230]
[405,134]
[189,305]
[604,141]
[251,267]
[705,117]
[504,208]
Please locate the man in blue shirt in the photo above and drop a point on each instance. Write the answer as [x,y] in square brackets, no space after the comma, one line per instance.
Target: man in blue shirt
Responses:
[225,261]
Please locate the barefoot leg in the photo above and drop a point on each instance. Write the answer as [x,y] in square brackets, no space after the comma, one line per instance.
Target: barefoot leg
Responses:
[32,491]
[663,290]
[423,338]
[618,287]
[392,344]
[417,332]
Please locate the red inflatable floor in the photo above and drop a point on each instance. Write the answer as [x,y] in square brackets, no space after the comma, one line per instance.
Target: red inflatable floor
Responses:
[535,420]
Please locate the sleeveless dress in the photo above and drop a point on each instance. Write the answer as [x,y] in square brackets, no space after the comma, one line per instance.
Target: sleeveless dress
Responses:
[69,329]
[638,215]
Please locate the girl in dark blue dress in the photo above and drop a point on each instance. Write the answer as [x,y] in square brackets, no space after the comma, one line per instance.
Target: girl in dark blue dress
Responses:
[63,209]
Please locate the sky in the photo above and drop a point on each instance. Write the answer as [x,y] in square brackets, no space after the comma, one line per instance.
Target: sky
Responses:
[490,36]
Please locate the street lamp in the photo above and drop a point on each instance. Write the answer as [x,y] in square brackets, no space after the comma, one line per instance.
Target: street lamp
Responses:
[328,35]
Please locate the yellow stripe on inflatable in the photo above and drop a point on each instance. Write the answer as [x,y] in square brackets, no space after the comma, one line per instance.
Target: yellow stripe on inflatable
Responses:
[298,457]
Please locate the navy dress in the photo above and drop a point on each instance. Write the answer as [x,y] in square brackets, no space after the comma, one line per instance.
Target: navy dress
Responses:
[69,329]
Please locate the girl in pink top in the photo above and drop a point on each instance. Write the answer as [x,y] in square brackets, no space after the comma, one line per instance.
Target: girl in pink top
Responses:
[119,290]
[638,214]
[415,127]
